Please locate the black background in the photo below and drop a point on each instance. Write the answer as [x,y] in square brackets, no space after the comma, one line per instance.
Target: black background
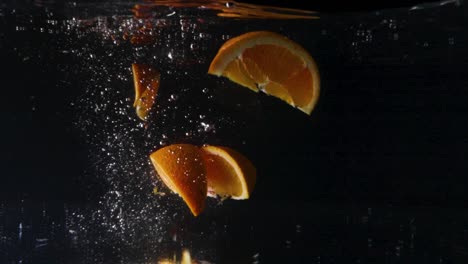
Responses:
[409,149]
[389,133]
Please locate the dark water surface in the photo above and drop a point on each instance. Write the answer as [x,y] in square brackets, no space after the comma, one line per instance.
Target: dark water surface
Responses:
[377,173]
[256,233]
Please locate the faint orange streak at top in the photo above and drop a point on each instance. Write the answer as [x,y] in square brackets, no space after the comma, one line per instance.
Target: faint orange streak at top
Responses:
[228,9]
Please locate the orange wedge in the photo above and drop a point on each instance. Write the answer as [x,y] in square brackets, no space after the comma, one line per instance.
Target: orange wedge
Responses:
[228,173]
[146,81]
[181,168]
[271,63]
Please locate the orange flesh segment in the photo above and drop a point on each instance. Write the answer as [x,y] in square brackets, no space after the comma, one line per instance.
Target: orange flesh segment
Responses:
[301,92]
[236,72]
[279,91]
[222,179]
[290,83]
[228,173]
[267,58]
[181,168]
[254,71]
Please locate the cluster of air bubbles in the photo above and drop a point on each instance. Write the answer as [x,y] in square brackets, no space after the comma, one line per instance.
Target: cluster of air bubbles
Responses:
[451,41]
[127,211]
[186,25]
[365,35]
[363,38]
[130,212]
[391,24]
[225,37]
[206,127]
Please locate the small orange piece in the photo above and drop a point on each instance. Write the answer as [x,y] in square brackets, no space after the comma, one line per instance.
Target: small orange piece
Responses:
[181,168]
[271,63]
[228,173]
[146,80]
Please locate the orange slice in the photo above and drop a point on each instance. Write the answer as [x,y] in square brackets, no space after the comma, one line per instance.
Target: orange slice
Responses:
[271,63]
[181,168]
[146,81]
[228,173]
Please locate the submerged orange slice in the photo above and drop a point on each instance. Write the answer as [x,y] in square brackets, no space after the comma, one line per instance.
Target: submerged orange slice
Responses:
[181,168]
[191,172]
[271,63]
[146,80]
[228,173]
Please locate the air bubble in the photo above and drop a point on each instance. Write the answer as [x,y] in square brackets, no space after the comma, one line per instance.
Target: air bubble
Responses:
[451,41]
[173,97]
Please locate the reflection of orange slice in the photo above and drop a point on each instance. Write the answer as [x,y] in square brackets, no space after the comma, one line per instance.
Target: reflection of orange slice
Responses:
[272,63]
[146,81]
[181,168]
[227,9]
[142,11]
[228,173]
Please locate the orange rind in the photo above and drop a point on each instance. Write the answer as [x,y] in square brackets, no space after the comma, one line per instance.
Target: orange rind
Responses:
[271,63]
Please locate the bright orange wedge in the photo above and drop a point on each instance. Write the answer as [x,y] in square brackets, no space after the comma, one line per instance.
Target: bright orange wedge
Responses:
[228,173]
[191,172]
[271,63]
[182,169]
[146,81]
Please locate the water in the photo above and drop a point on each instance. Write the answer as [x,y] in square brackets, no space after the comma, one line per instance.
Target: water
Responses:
[375,175]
